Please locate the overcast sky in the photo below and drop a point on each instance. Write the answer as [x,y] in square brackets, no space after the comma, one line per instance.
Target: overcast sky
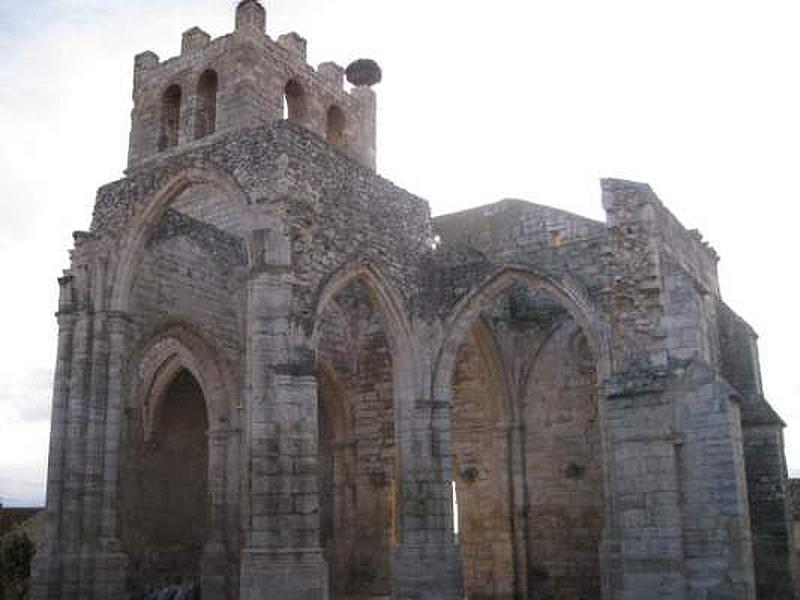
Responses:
[480,101]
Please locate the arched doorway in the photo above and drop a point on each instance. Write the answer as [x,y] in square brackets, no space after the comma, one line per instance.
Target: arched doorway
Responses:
[526,446]
[356,444]
[166,516]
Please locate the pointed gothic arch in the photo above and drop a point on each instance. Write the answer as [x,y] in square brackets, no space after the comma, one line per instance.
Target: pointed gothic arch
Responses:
[146,217]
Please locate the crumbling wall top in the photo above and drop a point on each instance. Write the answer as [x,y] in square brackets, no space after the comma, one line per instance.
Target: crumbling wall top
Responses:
[630,202]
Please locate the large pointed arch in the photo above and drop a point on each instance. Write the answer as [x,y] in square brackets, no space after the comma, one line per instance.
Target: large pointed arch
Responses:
[390,306]
[468,310]
[147,217]
[467,317]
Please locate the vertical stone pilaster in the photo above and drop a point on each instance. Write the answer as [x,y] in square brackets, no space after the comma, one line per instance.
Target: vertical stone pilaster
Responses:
[47,564]
[110,562]
[283,558]
[716,522]
[643,545]
[426,562]
[216,568]
[94,443]
[513,433]
[74,476]
[771,520]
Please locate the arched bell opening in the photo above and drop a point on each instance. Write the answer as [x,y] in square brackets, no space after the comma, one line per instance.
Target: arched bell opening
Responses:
[335,126]
[294,102]
[170,123]
[206,115]
[356,444]
[526,447]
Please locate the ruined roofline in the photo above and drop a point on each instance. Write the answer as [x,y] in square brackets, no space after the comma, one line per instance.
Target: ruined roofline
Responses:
[738,318]
[493,208]
[694,237]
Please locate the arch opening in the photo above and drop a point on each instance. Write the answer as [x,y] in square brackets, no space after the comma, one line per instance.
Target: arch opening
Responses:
[165,487]
[170,117]
[335,126]
[206,115]
[294,102]
[526,447]
[357,456]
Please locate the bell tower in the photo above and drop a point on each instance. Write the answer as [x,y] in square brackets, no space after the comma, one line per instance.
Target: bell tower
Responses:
[243,80]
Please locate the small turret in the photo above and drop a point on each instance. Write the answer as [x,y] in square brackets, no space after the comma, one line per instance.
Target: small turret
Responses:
[251,17]
[193,39]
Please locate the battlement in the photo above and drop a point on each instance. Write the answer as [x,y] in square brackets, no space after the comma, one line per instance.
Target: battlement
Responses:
[243,80]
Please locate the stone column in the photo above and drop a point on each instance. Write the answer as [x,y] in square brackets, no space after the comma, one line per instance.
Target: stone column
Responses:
[93,448]
[215,569]
[426,562]
[111,563]
[75,467]
[365,137]
[46,566]
[283,558]
[513,433]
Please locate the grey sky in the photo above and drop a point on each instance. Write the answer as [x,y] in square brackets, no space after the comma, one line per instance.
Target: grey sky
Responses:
[480,101]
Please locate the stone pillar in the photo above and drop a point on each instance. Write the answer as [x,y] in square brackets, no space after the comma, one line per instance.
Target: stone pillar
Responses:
[426,562]
[282,558]
[514,435]
[365,142]
[72,504]
[773,548]
[216,569]
[111,563]
[717,542]
[643,545]
[94,444]
[46,565]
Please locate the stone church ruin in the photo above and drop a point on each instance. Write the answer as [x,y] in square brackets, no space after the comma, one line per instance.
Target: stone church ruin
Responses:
[279,377]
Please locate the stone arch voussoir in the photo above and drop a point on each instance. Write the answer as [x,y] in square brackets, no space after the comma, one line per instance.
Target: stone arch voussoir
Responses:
[391,307]
[146,218]
[159,361]
[468,311]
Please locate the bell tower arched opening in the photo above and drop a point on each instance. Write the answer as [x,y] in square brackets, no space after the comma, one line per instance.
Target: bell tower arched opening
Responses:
[206,116]
[170,118]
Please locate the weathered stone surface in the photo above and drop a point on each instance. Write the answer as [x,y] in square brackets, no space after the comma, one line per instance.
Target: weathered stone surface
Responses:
[276,372]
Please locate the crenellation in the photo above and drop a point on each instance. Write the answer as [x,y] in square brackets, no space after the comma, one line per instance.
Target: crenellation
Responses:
[251,17]
[333,73]
[142,62]
[294,43]
[194,39]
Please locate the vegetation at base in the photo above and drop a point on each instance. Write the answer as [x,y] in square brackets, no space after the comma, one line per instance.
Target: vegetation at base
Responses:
[16,552]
